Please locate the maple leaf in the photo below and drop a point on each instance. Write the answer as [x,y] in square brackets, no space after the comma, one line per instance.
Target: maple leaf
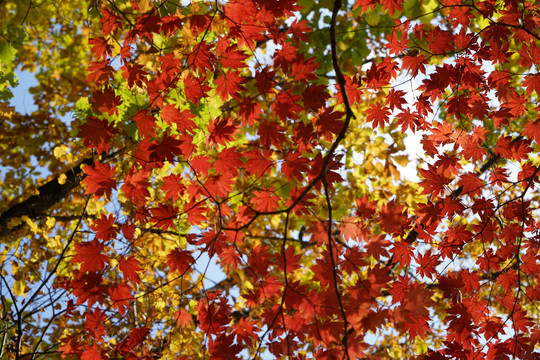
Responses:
[134,74]
[100,47]
[314,97]
[88,286]
[258,163]
[330,122]
[428,262]
[172,185]
[233,58]
[392,6]
[294,166]
[222,130]
[164,216]
[89,254]
[286,105]
[105,227]
[395,99]
[447,165]
[100,72]
[229,83]
[99,179]
[97,134]
[109,22]
[166,149]
[403,252]
[146,123]
[202,56]
[532,130]
[350,228]
[120,296]
[265,200]
[106,101]
[129,267]
[180,260]
[228,161]
[195,88]
[136,185]
[408,120]
[91,353]
[395,45]
[135,338]
[249,110]
[472,185]
[94,323]
[414,64]
[183,318]
[170,24]
[392,218]
[71,346]
[378,115]
[183,119]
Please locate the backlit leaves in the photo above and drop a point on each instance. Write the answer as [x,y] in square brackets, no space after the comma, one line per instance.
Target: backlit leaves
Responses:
[269,202]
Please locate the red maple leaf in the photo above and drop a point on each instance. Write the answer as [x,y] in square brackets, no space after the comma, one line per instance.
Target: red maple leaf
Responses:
[330,122]
[90,256]
[180,260]
[129,267]
[414,63]
[146,123]
[392,217]
[166,149]
[265,200]
[91,353]
[173,187]
[134,74]
[233,58]
[100,72]
[183,318]
[96,133]
[120,296]
[195,88]
[106,101]
[258,163]
[286,105]
[228,161]
[295,166]
[395,99]
[408,120]
[202,56]
[229,83]
[99,179]
[532,130]
[138,335]
[109,22]
[136,185]
[94,323]
[378,115]
[314,97]
[164,216]
[402,252]
[183,119]
[105,227]
[471,183]
[392,6]
[249,110]
[170,24]
[447,165]
[222,130]
[100,47]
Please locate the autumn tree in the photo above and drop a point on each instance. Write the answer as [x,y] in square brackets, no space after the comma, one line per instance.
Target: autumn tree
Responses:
[271,179]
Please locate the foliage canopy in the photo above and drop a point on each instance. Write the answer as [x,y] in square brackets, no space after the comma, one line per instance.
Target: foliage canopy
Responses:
[234,179]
